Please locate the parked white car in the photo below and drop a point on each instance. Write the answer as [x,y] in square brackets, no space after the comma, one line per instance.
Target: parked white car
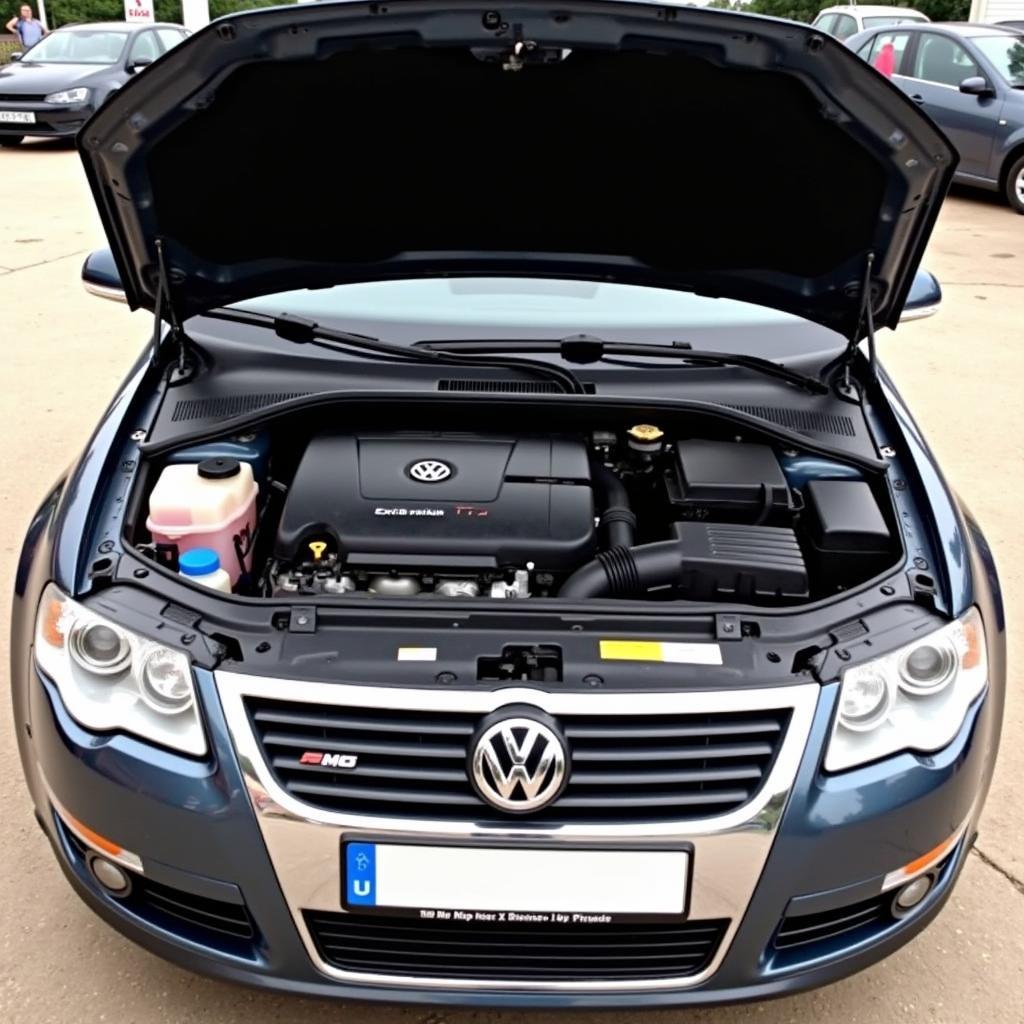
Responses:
[846,20]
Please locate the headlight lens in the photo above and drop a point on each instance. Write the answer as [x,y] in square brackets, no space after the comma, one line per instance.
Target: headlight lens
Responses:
[68,96]
[111,678]
[915,698]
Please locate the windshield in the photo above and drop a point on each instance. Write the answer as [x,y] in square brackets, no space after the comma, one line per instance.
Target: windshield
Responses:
[528,308]
[1007,54]
[891,19]
[79,46]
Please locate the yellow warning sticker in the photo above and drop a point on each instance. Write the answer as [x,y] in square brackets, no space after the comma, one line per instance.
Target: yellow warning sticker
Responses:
[661,651]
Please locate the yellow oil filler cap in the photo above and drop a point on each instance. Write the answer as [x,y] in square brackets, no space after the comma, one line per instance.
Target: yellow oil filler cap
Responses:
[645,437]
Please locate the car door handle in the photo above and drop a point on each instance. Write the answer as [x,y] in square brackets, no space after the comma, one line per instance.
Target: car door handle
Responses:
[917,98]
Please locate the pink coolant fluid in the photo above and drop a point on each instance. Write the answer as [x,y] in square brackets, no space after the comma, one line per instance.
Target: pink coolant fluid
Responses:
[209,504]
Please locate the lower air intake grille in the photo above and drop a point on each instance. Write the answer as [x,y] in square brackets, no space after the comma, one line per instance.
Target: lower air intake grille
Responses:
[409,763]
[514,952]
[823,927]
[203,914]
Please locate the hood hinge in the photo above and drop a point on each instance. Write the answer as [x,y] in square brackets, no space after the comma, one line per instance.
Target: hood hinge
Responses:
[164,309]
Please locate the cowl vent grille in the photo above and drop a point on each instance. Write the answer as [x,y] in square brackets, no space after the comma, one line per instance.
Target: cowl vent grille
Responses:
[803,420]
[227,406]
[510,387]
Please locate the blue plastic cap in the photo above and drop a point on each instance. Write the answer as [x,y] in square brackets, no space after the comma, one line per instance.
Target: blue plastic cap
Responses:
[199,562]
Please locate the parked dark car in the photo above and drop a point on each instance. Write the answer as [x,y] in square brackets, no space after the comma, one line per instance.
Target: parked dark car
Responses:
[970,80]
[54,87]
[506,578]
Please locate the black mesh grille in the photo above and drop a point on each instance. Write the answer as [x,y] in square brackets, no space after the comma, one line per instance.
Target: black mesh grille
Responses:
[227,406]
[803,420]
[417,948]
[525,387]
[413,764]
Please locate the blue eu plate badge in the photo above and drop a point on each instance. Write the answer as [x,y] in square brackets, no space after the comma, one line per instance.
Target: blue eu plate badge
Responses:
[361,874]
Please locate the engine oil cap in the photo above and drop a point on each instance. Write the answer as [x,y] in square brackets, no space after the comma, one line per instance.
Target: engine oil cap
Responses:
[645,437]
[219,469]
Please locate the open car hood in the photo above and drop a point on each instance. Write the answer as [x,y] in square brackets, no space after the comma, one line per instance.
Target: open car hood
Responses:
[318,144]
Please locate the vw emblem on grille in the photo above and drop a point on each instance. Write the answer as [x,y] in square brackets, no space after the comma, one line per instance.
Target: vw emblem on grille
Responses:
[430,471]
[518,763]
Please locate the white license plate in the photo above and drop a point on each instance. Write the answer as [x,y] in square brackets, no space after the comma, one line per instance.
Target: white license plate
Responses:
[466,883]
[17,117]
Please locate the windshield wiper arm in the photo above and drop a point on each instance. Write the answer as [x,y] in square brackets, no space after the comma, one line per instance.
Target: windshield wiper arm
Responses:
[585,349]
[308,332]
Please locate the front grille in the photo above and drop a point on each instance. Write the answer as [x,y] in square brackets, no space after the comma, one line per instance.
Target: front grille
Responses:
[22,97]
[669,767]
[415,948]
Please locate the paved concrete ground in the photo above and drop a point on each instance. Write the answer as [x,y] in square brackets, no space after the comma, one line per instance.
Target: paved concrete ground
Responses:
[61,356]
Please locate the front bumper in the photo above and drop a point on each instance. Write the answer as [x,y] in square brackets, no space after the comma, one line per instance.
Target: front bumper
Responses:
[808,844]
[52,120]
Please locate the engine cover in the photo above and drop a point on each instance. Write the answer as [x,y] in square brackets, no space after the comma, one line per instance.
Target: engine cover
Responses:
[441,502]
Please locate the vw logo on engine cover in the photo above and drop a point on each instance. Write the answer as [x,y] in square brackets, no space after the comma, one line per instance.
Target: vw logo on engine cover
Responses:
[430,471]
[518,763]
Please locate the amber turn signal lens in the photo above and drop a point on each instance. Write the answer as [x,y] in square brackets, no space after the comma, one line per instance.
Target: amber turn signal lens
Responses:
[50,623]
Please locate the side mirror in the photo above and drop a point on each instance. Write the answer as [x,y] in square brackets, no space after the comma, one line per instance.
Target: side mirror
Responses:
[138,64]
[101,278]
[15,56]
[976,86]
[924,298]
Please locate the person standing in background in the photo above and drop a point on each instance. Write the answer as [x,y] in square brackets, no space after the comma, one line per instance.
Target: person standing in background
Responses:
[26,27]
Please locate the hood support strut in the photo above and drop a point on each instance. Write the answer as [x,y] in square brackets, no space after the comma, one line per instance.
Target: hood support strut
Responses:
[176,332]
[865,320]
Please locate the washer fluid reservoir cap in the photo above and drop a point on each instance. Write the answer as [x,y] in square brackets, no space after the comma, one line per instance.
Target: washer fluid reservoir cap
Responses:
[198,562]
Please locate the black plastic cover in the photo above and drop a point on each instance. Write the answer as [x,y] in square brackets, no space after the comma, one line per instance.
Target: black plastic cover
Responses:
[730,561]
[843,516]
[442,501]
[743,481]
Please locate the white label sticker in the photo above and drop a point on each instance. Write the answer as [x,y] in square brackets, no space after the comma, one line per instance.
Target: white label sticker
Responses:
[417,654]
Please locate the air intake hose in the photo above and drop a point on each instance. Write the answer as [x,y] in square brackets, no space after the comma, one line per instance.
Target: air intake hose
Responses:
[627,572]
[617,517]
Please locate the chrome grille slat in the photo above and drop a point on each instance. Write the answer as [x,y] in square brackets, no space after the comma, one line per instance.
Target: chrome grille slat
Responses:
[623,768]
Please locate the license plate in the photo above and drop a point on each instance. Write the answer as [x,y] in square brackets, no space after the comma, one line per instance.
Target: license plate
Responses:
[498,885]
[17,117]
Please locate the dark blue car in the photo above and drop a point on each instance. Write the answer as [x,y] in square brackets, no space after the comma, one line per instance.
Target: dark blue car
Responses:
[507,576]
[970,80]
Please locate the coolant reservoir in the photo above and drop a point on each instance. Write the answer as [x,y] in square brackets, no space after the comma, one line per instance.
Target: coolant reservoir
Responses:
[209,504]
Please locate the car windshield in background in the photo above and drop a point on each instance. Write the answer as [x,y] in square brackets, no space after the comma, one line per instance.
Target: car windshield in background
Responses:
[1007,54]
[891,19]
[79,46]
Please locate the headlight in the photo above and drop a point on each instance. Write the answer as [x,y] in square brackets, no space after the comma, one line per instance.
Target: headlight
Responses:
[110,678]
[68,96]
[915,698]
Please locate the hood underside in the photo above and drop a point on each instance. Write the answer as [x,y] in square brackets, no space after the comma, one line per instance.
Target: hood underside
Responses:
[320,144]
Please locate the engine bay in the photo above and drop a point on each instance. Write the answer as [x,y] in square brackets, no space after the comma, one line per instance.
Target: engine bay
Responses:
[635,513]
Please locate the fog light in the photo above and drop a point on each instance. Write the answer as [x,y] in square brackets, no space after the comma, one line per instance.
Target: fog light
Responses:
[912,893]
[112,877]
